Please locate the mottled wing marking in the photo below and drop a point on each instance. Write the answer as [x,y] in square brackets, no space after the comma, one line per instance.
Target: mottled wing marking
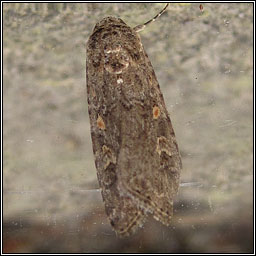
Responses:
[136,153]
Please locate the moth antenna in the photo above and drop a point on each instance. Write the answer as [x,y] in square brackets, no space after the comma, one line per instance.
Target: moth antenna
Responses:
[139,28]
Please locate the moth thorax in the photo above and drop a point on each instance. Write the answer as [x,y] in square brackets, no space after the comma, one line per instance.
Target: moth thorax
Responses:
[116,59]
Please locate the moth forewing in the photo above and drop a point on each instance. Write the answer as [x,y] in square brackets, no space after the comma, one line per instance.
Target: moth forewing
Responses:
[136,153]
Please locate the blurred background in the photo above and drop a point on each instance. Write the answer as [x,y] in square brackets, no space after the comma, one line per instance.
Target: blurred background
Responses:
[203,59]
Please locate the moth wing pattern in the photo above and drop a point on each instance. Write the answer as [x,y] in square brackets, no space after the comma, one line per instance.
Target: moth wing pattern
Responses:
[125,216]
[136,153]
[149,159]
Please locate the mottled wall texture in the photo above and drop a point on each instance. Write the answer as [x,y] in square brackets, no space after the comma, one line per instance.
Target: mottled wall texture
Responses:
[202,57]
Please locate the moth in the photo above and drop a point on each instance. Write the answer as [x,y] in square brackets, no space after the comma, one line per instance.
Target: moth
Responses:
[136,153]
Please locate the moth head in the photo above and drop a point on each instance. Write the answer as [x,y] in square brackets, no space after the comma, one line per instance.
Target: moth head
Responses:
[117,44]
[108,22]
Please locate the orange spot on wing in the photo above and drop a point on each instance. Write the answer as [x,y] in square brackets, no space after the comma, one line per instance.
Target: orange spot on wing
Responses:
[156,112]
[100,123]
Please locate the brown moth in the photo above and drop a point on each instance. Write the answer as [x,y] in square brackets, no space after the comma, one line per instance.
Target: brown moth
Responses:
[136,153]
